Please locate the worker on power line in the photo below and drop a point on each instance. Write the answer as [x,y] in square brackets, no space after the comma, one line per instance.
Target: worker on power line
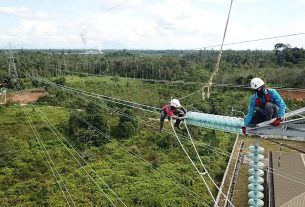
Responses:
[172,110]
[264,105]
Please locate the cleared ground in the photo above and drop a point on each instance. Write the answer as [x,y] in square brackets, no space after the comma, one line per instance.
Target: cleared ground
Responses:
[27,97]
[298,95]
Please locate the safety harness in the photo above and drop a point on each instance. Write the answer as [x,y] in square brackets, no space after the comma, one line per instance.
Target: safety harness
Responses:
[258,102]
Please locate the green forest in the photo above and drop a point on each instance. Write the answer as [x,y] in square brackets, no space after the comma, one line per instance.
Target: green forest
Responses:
[68,149]
[283,66]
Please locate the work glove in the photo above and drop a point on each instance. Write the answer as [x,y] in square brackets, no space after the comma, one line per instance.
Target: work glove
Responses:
[244,130]
[277,121]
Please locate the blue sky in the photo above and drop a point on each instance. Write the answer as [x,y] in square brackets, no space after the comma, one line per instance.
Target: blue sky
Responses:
[149,24]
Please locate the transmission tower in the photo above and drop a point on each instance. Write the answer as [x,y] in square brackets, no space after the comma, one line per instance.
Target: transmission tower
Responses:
[12,70]
[3,95]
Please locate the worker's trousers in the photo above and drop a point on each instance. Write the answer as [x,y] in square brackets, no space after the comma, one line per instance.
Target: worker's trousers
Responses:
[163,115]
[266,113]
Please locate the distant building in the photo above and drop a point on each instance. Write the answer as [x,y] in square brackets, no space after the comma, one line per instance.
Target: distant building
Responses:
[88,52]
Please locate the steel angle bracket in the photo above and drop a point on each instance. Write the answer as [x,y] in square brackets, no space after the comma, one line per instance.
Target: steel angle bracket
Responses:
[297,112]
[291,130]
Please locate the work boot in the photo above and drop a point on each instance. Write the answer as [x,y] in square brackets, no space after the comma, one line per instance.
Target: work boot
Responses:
[160,129]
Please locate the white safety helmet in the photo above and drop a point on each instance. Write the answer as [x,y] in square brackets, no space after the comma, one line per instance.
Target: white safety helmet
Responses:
[175,103]
[256,83]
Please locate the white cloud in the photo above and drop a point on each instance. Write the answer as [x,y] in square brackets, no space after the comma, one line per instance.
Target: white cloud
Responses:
[183,16]
[170,24]
[33,28]
[163,25]
[14,10]
[140,24]
[23,12]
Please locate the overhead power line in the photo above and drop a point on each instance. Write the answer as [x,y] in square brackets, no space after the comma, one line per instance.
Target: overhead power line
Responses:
[115,6]
[208,85]
[81,161]
[98,97]
[253,40]
[138,157]
[51,163]
[58,134]
[85,30]
[227,85]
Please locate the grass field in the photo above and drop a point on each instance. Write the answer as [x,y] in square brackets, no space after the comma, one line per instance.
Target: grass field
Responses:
[24,167]
[138,183]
